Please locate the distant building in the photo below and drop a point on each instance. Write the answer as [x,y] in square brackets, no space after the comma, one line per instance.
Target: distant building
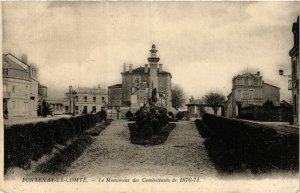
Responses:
[250,90]
[20,86]
[294,83]
[137,85]
[58,105]
[87,100]
[197,108]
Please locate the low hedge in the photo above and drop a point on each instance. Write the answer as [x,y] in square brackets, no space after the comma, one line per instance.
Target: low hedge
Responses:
[23,143]
[236,145]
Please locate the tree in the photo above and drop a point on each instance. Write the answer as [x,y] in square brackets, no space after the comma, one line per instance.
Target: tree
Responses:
[191,99]
[178,97]
[214,100]
[268,103]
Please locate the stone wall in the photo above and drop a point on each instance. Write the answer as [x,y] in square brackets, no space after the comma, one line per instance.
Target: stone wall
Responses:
[263,113]
[115,96]
[271,93]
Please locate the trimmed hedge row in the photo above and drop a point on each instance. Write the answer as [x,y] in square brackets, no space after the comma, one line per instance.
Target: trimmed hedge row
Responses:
[236,145]
[23,143]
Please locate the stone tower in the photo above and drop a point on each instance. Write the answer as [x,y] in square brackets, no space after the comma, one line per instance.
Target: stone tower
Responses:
[153,62]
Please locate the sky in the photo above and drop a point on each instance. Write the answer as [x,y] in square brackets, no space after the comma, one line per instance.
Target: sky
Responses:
[203,44]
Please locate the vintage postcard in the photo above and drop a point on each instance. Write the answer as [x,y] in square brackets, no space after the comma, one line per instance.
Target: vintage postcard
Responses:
[129,97]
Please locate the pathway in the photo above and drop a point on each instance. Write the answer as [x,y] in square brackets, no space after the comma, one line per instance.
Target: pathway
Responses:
[113,155]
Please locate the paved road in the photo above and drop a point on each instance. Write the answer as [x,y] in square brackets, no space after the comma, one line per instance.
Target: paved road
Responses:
[112,154]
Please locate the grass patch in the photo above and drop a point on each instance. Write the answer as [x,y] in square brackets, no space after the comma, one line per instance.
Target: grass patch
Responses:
[60,162]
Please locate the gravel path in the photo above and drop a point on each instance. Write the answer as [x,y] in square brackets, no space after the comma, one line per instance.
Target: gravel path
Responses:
[113,155]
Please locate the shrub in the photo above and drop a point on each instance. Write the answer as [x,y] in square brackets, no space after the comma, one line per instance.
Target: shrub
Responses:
[27,142]
[241,143]
[171,114]
[129,114]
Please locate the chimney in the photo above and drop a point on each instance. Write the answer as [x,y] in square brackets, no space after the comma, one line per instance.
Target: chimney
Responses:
[124,67]
[160,68]
[258,73]
[24,58]
[130,68]
[146,68]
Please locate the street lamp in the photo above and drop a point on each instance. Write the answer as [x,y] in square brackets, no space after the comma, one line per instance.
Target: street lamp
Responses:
[74,96]
[282,74]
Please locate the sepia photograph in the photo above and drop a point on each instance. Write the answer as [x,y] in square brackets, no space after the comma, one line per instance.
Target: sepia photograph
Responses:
[150,96]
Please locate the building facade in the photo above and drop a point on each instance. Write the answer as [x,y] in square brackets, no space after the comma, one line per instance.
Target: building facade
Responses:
[197,108]
[294,82]
[137,85]
[20,86]
[58,105]
[86,100]
[250,90]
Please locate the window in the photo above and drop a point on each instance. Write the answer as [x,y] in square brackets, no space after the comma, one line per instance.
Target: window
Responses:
[13,104]
[246,95]
[94,99]
[67,108]
[4,87]
[102,99]
[294,70]
[85,98]
[76,98]
[5,71]
[94,109]
[250,81]
[246,81]
[76,108]
[25,107]
[13,88]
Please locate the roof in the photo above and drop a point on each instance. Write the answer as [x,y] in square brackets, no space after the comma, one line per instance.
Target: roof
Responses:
[18,61]
[141,70]
[195,102]
[271,85]
[57,100]
[116,86]
[9,62]
[91,90]
[42,86]
[246,75]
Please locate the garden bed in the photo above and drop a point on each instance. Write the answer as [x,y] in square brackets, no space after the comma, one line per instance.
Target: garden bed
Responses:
[157,139]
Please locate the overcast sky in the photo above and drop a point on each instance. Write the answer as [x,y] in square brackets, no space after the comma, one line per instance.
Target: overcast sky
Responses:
[203,44]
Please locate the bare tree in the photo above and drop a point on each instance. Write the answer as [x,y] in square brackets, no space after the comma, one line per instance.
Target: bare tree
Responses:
[178,97]
[214,100]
